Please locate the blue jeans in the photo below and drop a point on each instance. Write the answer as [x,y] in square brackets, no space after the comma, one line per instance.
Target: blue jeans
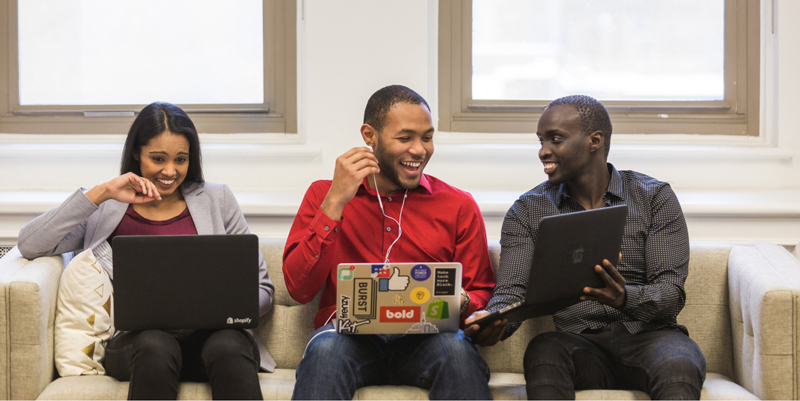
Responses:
[336,365]
[664,363]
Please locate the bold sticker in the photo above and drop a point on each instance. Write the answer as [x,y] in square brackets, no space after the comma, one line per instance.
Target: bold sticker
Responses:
[420,295]
[364,294]
[399,314]
[346,326]
[381,271]
[346,273]
[438,309]
[420,272]
[445,281]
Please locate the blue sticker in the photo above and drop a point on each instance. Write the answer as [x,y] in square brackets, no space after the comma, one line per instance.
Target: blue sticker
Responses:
[420,272]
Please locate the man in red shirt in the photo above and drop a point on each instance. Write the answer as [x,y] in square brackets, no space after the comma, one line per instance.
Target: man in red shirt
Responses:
[341,221]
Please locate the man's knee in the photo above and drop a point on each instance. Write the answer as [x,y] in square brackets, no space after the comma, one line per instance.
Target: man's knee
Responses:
[547,348]
[455,346]
[326,345]
[680,368]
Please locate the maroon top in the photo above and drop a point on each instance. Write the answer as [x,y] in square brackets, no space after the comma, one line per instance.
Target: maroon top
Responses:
[134,224]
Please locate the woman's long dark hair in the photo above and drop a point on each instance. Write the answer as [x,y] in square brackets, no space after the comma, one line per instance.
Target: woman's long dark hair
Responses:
[155,119]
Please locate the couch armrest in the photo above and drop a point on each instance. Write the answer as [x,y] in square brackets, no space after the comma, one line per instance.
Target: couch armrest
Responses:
[30,289]
[764,290]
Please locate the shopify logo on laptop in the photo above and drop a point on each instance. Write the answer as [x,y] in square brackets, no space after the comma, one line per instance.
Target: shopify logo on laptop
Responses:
[239,320]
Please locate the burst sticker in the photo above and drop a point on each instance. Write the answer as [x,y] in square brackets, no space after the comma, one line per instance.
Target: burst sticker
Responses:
[364,294]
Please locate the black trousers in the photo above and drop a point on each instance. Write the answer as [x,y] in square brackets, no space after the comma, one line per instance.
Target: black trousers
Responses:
[156,361]
[664,363]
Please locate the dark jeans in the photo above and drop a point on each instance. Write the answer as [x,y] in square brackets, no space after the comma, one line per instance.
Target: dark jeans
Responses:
[664,363]
[154,361]
[336,365]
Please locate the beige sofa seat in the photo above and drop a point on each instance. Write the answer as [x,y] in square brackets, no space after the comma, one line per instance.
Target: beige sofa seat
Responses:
[741,303]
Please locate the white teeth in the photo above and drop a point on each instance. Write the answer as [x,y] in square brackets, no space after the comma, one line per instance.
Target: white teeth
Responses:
[166,182]
[411,164]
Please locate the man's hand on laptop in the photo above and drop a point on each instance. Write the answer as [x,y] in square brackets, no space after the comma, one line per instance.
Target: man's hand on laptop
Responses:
[614,292]
[350,170]
[489,335]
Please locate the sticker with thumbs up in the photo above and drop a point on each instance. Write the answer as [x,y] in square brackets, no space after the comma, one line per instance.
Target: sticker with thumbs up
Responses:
[398,282]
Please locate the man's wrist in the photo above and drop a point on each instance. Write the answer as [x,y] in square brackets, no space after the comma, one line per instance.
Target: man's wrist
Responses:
[467,299]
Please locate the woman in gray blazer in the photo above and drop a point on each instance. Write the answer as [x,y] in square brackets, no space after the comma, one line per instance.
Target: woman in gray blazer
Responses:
[161,191]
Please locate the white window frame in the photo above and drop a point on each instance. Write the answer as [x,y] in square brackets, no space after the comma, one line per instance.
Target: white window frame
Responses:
[737,115]
[277,114]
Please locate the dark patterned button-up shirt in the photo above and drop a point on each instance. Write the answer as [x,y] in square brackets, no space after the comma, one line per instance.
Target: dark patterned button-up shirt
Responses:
[655,254]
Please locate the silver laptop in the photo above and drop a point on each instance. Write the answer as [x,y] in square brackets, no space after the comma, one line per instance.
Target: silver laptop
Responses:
[173,282]
[398,298]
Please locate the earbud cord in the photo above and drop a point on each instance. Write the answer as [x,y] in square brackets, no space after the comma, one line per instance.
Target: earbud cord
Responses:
[399,226]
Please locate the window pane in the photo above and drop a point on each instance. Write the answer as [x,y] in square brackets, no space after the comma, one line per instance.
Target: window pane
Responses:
[84,52]
[609,49]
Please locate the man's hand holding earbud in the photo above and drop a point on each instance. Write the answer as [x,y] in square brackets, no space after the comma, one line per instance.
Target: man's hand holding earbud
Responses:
[351,168]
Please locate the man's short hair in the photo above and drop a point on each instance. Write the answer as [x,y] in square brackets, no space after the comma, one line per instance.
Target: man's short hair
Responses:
[384,99]
[592,113]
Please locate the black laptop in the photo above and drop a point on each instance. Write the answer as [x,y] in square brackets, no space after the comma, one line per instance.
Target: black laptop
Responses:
[173,282]
[568,247]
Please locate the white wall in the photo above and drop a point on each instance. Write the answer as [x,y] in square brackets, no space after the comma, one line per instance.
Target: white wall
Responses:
[740,189]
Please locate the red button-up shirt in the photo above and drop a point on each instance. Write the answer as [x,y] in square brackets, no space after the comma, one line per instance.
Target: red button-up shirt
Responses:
[440,224]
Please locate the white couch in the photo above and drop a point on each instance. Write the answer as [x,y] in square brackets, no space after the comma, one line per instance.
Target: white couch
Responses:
[742,309]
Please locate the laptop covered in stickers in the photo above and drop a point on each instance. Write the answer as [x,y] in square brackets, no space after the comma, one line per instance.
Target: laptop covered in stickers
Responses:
[398,298]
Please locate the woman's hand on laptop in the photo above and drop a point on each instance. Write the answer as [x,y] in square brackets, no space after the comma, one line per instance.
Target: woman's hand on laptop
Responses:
[487,336]
[614,292]
[127,188]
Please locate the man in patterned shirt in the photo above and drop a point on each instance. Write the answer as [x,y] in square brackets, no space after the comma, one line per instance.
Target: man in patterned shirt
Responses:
[623,336]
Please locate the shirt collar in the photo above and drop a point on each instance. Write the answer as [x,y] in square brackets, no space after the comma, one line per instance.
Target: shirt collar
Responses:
[614,187]
[424,186]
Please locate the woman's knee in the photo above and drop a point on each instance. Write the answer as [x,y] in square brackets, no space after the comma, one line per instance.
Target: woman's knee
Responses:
[156,343]
[227,343]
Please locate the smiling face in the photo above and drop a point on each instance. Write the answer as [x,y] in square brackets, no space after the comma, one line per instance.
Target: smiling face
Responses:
[404,146]
[165,162]
[566,148]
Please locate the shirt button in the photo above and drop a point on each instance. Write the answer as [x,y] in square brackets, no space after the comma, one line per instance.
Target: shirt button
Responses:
[316,256]
[390,199]
[327,228]
[336,230]
[388,229]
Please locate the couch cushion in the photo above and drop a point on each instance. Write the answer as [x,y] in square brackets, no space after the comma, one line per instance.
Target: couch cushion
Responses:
[83,317]
[279,386]
[707,314]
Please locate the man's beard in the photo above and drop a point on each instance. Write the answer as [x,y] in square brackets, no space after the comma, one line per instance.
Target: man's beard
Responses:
[389,170]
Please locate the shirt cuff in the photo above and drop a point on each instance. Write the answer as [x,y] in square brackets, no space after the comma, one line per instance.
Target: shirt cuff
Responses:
[323,226]
[632,296]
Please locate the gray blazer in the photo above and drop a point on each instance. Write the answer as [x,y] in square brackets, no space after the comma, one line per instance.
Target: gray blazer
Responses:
[78,224]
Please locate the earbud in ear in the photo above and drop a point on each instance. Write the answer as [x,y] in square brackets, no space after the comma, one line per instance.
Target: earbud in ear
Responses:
[370,147]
